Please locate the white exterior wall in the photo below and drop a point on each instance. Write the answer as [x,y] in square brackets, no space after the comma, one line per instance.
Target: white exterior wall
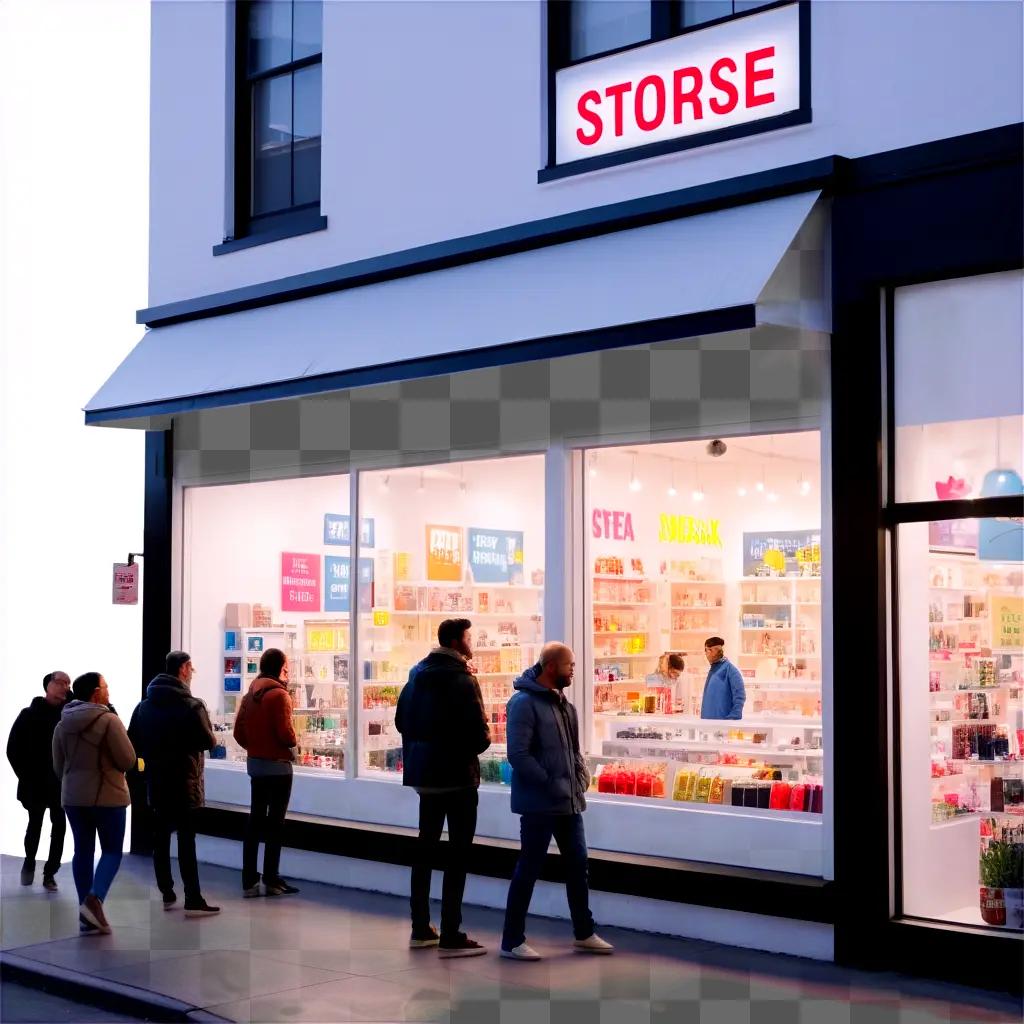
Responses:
[434,121]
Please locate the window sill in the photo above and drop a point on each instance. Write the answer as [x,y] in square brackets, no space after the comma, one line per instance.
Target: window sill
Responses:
[301,225]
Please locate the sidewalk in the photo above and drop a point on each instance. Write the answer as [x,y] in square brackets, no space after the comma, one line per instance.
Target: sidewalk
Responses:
[339,955]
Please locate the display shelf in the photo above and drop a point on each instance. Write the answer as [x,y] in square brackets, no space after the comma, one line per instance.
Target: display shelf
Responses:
[709,724]
[618,657]
[624,604]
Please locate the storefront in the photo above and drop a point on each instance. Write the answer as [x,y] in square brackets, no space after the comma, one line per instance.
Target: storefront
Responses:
[784,410]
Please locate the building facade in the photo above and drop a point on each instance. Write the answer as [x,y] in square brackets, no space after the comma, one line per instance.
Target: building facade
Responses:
[628,324]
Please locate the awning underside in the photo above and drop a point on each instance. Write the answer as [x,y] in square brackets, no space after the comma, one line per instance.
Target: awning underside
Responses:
[766,257]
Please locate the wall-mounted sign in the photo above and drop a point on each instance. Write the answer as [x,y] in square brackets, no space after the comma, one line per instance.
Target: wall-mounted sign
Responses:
[496,556]
[338,530]
[126,583]
[674,529]
[1008,622]
[300,582]
[381,617]
[793,547]
[611,524]
[722,79]
[444,553]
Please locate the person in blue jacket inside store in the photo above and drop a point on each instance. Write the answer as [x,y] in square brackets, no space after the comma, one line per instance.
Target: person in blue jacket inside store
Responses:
[724,694]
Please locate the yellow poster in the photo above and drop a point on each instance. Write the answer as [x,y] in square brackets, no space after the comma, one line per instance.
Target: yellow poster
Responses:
[444,553]
[1008,622]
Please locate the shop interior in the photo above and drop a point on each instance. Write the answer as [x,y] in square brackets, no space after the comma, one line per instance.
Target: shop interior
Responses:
[688,541]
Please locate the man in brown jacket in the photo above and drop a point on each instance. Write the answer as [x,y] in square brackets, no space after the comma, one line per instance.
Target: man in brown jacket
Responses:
[91,753]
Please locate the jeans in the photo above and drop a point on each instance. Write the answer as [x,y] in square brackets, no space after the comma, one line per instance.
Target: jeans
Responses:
[165,822]
[86,823]
[58,823]
[459,807]
[270,796]
[536,831]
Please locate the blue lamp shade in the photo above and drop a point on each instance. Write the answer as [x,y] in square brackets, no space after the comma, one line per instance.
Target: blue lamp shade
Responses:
[1001,540]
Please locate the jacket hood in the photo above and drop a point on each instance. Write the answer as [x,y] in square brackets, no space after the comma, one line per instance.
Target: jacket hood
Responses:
[41,706]
[164,689]
[528,681]
[261,684]
[444,657]
[79,715]
[718,666]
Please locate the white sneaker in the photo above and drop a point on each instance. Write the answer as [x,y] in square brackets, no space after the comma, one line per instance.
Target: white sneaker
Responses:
[521,952]
[595,944]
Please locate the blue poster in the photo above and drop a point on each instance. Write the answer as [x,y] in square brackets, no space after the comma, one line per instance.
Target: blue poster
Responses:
[232,684]
[789,542]
[496,556]
[337,572]
[338,530]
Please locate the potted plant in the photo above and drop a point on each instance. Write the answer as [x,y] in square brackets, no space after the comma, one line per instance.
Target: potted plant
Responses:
[1002,884]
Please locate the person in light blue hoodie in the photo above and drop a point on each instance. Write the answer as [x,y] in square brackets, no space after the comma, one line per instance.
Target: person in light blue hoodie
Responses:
[724,694]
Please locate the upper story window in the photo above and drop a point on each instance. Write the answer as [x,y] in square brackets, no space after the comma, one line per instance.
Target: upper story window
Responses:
[588,28]
[278,62]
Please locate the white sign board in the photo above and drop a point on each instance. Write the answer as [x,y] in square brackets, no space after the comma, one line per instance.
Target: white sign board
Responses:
[126,583]
[724,76]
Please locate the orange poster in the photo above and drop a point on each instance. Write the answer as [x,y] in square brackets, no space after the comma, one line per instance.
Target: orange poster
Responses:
[444,553]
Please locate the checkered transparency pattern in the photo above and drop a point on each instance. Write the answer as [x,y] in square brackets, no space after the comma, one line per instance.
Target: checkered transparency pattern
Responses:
[761,380]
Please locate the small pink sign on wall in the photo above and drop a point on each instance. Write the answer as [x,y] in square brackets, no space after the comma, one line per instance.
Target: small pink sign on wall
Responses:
[300,582]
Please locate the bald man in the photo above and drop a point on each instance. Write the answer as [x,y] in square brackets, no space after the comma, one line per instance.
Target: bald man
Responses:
[28,750]
[549,780]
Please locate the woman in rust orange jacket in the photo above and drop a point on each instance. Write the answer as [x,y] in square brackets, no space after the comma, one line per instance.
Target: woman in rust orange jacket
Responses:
[264,729]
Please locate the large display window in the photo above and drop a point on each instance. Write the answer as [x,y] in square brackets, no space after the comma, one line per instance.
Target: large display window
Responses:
[695,541]
[456,540]
[268,566]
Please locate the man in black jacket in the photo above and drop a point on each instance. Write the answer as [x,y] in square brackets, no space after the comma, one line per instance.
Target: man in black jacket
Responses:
[441,718]
[171,732]
[29,751]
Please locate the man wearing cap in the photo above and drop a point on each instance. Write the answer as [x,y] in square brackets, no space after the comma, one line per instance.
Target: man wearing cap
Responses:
[724,693]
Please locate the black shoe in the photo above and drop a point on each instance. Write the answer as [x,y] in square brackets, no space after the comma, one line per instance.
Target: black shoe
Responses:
[50,883]
[170,900]
[279,887]
[200,909]
[424,939]
[28,872]
[458,945]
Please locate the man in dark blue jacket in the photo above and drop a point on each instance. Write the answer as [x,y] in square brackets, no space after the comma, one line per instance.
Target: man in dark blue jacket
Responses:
[724,694]
[441,718]
[549,780]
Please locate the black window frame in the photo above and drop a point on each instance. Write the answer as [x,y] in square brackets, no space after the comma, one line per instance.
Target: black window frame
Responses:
[666,23]
[894,515]
[249,230]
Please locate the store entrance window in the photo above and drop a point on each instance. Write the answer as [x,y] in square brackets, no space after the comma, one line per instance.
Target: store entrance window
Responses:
[704,593]
[957,514]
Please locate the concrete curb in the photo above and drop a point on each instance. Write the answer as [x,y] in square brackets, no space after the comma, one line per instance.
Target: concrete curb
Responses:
[101,992]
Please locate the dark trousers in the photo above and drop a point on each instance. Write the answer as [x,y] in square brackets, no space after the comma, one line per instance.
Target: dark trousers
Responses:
[459,808]
[269,805]
[58,824]
[536,831]
[167,821]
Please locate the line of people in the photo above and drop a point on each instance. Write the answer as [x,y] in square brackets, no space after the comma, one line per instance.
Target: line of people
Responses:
[444,729]
[72,754]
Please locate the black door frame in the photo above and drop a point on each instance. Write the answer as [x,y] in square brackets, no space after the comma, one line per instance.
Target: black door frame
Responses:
[962,219]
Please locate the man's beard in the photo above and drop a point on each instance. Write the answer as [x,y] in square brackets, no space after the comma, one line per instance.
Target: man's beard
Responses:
[561,682]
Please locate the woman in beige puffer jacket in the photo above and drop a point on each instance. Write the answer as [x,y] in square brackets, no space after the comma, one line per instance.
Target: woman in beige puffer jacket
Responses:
[91,753]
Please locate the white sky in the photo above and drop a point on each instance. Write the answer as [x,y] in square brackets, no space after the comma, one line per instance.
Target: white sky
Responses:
[74,188]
